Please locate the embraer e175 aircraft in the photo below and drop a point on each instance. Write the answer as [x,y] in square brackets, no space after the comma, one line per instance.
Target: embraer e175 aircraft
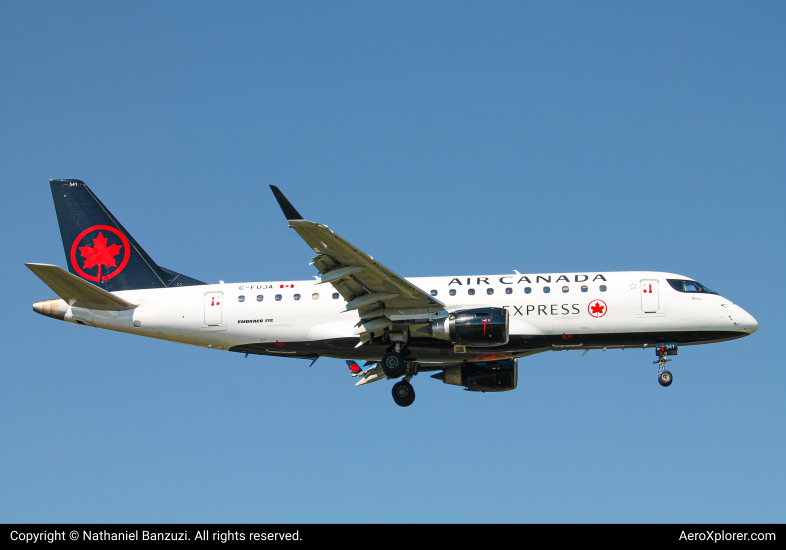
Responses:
[469,331]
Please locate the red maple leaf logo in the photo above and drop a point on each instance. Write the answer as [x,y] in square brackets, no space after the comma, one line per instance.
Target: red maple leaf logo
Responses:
[100,254]
[597,308]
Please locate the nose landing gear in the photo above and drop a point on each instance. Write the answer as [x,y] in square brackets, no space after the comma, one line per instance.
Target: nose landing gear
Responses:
[663,350]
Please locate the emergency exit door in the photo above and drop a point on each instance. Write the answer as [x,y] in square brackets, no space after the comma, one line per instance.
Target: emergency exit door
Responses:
[213,307]
[649,296]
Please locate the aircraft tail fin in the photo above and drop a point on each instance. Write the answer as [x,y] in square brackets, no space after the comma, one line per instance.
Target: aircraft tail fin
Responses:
[372,374]
[99,249]
[354,368]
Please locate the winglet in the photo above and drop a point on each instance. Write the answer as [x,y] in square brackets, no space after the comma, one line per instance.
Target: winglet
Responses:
[286,206]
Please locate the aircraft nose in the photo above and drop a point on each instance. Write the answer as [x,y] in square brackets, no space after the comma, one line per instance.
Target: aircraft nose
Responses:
[746,322]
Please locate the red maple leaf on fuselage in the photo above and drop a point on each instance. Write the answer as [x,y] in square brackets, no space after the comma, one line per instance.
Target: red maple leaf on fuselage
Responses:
[100,254]
[597,308]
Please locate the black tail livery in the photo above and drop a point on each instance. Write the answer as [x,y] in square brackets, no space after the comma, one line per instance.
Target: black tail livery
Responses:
[99,249]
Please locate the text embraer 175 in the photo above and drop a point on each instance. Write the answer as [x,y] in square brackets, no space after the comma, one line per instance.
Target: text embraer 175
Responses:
[468,330]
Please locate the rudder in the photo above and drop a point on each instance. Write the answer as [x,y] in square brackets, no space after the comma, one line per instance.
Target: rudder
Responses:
[99,249]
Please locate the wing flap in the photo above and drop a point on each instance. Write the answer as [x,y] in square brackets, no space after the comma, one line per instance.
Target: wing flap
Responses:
[340,273]
[77,292]
[367,299]
[380,323]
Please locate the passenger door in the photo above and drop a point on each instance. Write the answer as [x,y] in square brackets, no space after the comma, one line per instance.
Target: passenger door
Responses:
[213,308]
[650,302]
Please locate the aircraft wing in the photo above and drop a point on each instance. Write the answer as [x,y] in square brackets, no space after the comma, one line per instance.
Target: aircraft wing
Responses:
[380,296]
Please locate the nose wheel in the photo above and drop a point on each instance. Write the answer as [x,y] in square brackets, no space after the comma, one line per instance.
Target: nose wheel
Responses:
[665,378]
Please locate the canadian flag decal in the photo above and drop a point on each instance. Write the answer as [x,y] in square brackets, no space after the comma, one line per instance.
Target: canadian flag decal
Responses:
[288,286]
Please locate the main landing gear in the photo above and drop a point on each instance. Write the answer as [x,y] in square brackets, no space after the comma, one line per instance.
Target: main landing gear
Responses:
[403,393]
[663,350]
[394,365]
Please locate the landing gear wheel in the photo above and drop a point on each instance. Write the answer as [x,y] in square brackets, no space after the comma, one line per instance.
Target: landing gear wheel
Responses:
[393,365]
[665,378]
[403,393]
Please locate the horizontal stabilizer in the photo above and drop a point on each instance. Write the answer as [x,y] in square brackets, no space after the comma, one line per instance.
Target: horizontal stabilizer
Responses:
[372,374]
[77,292]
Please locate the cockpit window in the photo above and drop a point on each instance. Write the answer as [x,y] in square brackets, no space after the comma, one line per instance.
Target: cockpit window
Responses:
[707,290]
[689,286]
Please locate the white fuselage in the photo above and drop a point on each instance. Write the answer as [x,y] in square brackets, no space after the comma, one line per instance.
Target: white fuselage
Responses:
[575,311]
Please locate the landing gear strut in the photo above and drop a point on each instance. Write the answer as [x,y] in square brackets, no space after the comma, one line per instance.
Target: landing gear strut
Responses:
[394,365]
[663,350]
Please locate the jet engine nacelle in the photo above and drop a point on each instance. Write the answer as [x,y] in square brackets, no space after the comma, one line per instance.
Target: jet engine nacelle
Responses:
[486,326]
[489,376]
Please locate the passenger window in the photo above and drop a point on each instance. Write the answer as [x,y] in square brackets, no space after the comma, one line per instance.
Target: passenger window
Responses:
[471,292]
[527,290]
[603,288]
[315,296]
[508,290]
[335,295]
[260,297]
[296,296]
[584,288]
[565,289]
[546,289]
[278,297]
[433,292]
[489,291]
[241,298]
[452,292]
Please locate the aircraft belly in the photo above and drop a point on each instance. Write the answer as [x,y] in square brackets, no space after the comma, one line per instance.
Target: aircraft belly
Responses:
[344,348]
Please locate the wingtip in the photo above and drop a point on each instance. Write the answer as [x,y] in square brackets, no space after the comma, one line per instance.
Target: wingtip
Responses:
[289,211]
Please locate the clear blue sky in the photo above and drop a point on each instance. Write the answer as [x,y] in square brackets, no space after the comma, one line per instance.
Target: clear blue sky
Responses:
[443,138]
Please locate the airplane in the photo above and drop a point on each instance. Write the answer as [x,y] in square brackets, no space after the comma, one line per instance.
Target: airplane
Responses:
[469,331]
